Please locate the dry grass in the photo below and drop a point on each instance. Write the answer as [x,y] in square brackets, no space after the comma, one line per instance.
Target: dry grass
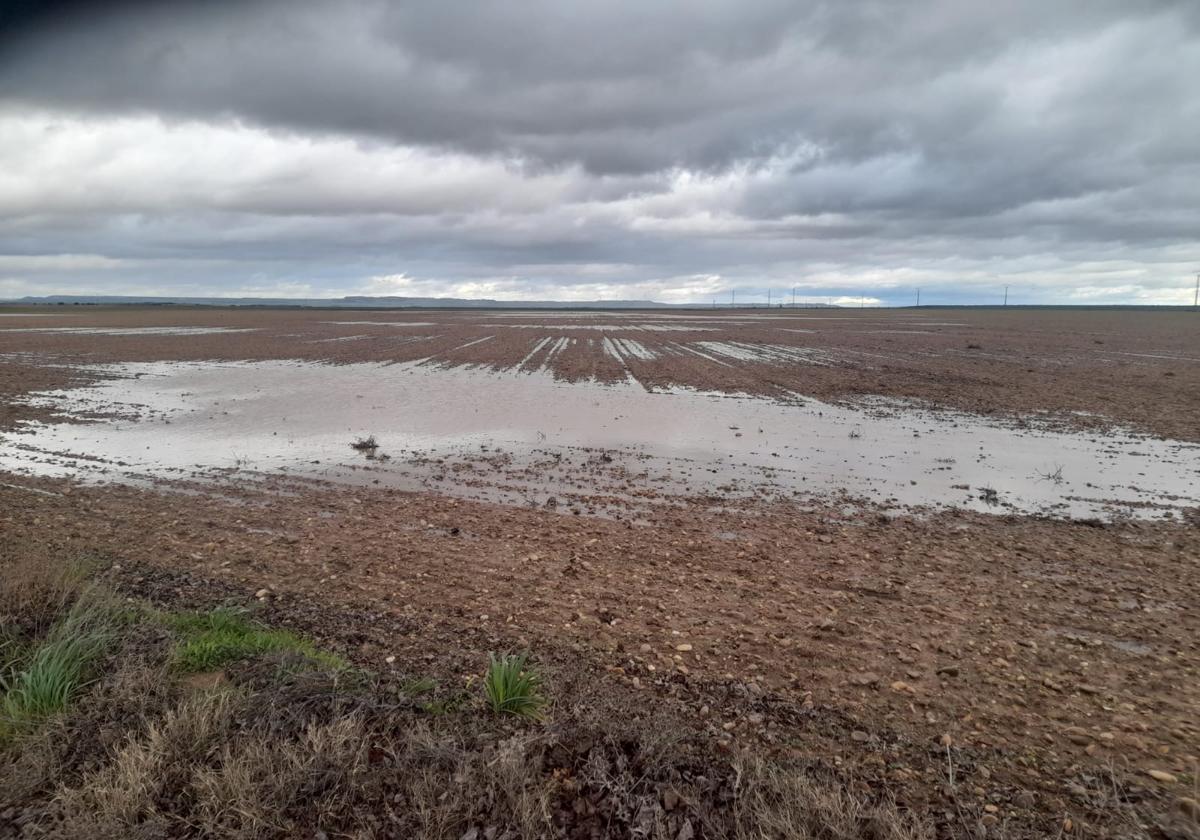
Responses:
[280,754]
[50,756]
[35,594]
[142,782]
[772,803]
[450,787]
[194,773]
[254,784]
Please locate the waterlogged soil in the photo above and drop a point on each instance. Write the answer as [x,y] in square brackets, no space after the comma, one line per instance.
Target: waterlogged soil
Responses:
[523,437]
[1136,369]
[1031,670]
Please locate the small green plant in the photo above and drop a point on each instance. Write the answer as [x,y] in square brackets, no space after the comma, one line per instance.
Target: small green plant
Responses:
[214,639]
[57,667]
[513,687]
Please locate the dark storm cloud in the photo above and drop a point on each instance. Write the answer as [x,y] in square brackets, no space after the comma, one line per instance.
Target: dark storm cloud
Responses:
[617,85]
[772,139]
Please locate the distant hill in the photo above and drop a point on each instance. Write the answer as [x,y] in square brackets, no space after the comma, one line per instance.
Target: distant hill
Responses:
[358,302]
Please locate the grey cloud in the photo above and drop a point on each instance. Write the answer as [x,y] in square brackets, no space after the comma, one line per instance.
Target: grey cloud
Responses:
[768,139]
[622,86]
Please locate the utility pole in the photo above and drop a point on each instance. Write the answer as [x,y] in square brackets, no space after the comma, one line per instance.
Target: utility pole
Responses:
[1006,295]
[1196,297]
[768,298]
[918,296]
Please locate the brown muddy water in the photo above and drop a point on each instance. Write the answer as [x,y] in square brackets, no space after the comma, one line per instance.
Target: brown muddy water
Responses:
[527,438]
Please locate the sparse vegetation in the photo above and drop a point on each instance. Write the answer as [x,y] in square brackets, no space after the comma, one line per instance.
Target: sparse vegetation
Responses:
[773,802]
[214,639]
[513,687]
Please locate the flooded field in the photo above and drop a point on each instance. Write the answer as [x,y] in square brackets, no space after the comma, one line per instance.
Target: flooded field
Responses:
[526,438]
[886,537]
[1095,370]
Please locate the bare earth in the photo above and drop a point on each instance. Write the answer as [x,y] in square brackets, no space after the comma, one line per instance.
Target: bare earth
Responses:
[1047,663]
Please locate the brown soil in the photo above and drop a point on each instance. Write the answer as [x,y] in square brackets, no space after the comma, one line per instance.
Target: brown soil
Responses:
[1136,368]
[869,643]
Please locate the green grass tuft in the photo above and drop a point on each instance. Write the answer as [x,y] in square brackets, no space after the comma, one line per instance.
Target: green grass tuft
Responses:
[513,687]
[56,668]
[214,639]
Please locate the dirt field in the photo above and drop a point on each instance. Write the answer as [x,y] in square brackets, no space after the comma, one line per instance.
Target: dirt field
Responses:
[994,674]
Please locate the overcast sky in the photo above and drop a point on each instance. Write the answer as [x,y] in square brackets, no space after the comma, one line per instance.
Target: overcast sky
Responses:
[616,149]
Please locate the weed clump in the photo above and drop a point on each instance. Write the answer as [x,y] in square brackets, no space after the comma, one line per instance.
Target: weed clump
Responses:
[367,444]
[513,687]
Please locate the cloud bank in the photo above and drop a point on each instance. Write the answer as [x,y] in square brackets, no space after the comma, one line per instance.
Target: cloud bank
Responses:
[582,150]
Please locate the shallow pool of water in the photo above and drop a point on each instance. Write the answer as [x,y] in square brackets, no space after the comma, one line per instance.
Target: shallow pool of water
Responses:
[524,437]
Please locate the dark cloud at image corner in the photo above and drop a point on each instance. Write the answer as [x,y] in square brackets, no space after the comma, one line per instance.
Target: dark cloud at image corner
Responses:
[30,18]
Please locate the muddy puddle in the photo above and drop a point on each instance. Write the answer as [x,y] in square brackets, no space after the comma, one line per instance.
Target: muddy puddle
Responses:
[526,438]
